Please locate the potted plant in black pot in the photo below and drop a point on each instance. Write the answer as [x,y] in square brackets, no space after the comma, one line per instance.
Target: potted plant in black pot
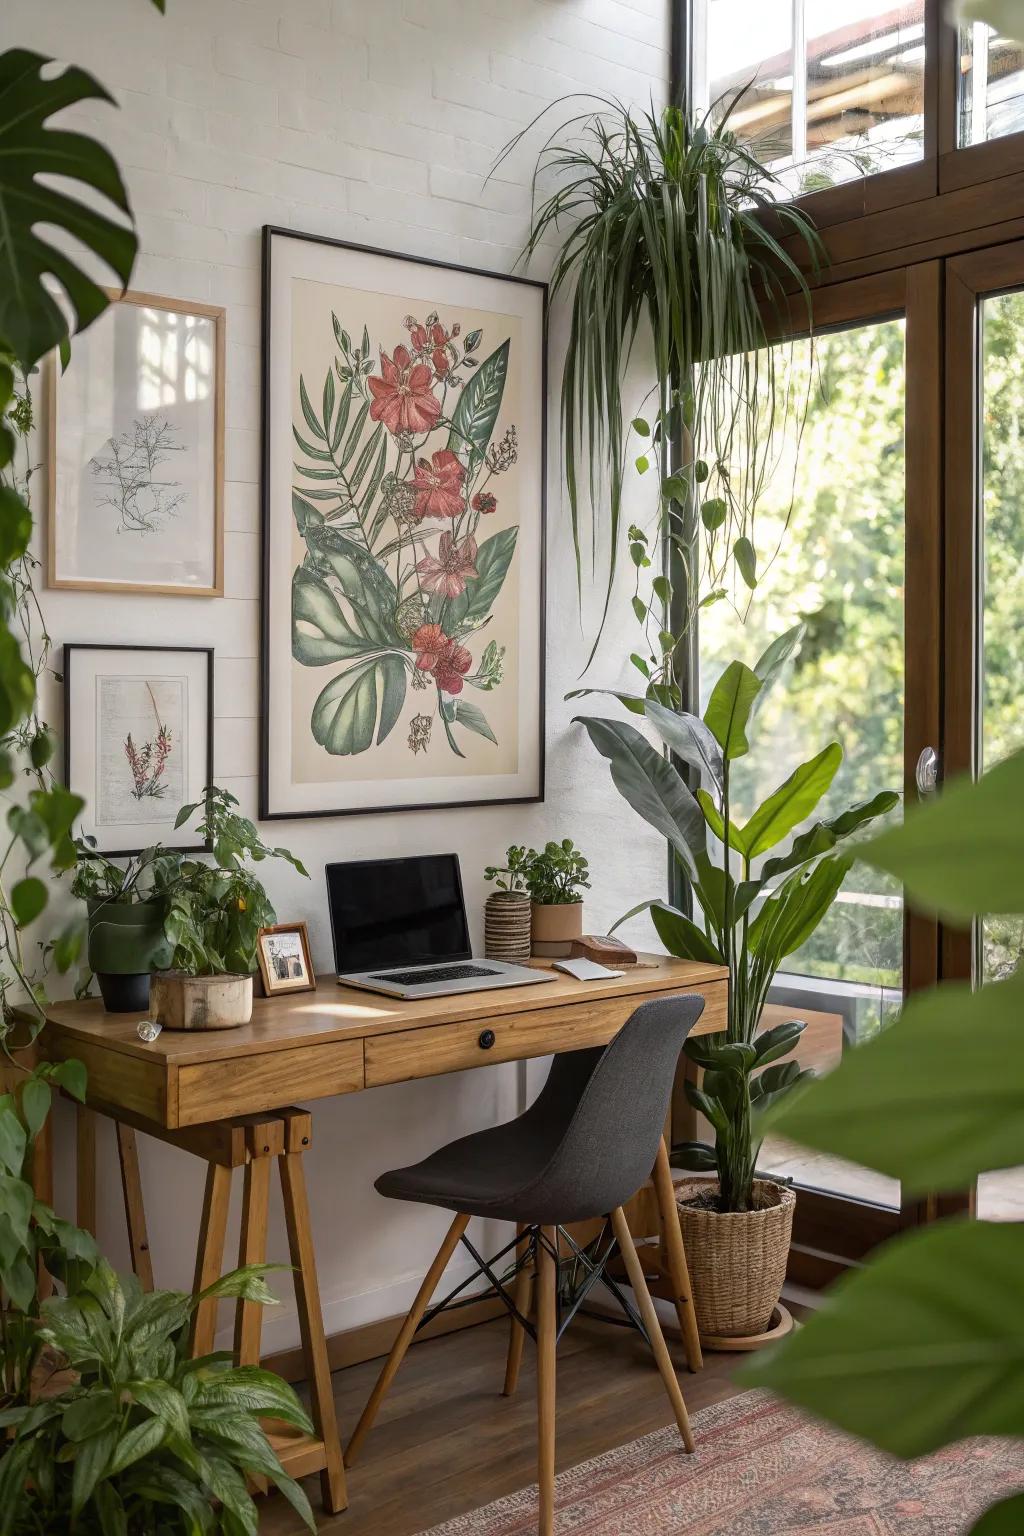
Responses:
[556,879]
[126,906]
[212,921]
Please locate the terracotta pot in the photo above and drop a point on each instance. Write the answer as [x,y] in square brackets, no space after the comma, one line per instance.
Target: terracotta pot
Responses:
[737,1259]
[555,927]
[200,1002]
[507,927]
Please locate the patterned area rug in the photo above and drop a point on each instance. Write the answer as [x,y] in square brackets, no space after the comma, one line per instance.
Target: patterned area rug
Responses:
[762,1469]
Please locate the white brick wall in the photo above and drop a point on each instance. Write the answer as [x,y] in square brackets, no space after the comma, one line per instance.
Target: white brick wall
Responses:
[374,121]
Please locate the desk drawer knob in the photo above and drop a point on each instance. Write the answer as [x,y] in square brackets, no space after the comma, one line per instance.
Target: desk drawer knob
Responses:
[486,1039]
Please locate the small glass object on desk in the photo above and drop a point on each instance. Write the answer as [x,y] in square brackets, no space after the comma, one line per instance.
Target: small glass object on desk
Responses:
[148,1029]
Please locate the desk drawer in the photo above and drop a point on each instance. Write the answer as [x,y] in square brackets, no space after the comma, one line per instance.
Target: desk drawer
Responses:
[437,1048]
[248,1084]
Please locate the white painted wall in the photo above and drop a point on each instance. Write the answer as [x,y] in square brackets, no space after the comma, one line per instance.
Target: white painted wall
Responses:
[373,121]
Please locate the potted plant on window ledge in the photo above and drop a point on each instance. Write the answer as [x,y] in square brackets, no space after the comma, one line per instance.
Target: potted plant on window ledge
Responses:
[756,910]
[213,919]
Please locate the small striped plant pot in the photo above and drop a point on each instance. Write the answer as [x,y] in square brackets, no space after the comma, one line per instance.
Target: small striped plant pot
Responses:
[507,927]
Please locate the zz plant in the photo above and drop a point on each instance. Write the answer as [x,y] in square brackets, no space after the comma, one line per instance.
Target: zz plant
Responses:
[759,900]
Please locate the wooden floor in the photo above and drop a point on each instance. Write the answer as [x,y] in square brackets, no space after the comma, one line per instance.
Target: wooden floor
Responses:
[447,1442]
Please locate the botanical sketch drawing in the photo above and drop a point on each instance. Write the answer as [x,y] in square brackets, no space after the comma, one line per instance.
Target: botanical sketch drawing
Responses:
[398,477]
[128,475]
[148,762]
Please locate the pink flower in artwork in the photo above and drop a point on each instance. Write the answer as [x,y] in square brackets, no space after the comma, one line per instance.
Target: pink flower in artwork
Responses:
[446,661]
[448,570]
[438,485]
[402,396]
[433,339]
[483,501]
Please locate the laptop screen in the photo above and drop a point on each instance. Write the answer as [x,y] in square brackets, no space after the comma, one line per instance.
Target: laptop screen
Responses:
[390,912]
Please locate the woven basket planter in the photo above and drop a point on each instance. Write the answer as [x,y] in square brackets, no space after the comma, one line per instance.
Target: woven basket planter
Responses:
[737,1259]
[507,919]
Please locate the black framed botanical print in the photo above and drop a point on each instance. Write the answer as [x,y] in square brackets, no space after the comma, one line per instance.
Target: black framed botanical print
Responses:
[138,741]
[403,532]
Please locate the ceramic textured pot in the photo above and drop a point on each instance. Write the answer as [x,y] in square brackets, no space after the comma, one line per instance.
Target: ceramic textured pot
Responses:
[507,918]
[126,943]
[737,1259]
[554,928]
[178,1001]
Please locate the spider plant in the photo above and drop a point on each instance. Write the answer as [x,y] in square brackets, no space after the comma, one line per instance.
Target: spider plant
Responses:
[668,228]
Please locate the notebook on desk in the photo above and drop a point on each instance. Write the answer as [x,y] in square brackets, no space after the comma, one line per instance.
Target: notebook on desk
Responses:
[399,927]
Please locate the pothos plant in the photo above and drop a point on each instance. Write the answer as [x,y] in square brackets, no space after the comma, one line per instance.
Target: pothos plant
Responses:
[403,523]
[758,906]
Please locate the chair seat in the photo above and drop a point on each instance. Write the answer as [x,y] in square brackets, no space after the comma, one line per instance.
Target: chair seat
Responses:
[498,1172]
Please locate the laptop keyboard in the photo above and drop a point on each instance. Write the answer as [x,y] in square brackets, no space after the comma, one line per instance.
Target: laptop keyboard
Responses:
[435,973]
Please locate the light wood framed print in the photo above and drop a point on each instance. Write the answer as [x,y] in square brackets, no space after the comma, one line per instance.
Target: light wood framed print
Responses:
[136,451]
[284,959]
[403,474]
[138,741]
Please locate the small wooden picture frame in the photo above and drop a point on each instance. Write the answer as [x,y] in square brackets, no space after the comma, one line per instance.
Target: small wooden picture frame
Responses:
[285,962]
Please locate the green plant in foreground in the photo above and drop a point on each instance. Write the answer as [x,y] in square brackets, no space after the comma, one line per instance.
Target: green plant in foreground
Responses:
[557,875]
[661,231]
[924,1345]
[757,909]
[145,1441]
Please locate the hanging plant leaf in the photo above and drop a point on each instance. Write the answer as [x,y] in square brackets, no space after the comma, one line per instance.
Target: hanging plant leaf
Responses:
[31,320]
[746,561]
[363,701]
[474,416]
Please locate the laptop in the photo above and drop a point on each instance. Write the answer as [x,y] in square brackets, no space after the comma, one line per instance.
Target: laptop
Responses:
[399,927]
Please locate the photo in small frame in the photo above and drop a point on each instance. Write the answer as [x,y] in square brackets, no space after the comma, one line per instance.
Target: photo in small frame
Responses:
[284,959]
[138,741]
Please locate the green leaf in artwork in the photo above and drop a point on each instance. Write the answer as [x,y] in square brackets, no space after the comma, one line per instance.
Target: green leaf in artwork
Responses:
[472,341]
[360,703]
[320,631]
[464,712]
[493,559]
[908,1355]
[308,411]
[479,403]
[31,320]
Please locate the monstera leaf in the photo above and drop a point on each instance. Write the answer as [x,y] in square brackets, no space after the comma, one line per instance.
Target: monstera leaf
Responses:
[474,417]
[363,700]
[320,631]
[31,320]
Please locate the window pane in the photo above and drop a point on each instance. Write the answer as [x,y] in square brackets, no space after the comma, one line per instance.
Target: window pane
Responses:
[991,85]
[1001,1194]
[839,567]
[838,85]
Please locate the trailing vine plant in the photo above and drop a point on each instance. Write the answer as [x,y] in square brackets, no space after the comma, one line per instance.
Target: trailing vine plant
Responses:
[670,231]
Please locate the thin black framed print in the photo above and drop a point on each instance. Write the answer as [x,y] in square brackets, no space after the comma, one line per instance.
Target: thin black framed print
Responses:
[138,741]
[403,480]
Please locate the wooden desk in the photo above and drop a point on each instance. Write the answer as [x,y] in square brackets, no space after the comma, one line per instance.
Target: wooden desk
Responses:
[220,1094]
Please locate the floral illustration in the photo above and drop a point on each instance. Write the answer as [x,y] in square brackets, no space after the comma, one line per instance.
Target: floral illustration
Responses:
[130,479]
[395,475]
[148,762]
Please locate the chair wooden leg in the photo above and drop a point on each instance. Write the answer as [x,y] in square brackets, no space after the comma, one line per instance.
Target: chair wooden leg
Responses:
[85,1168]
[634,1270]
[210,1255]
[252,1249]
[311,1327]
[675,1253]
[405,1335]
[547,1283]
[131,1182]
[517,1334]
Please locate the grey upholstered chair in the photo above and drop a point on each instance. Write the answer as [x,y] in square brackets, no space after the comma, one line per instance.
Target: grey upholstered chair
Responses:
[581,1151]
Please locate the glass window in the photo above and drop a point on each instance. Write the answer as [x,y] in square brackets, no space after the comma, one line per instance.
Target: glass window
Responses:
[1001,694]
[830,536]
[835,87]
[991,100]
